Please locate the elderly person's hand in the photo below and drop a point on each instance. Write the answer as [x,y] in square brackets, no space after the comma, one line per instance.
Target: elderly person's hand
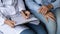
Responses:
[49,15]
[45,11]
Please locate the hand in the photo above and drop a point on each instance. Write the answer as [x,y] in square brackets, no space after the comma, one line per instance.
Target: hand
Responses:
[26,14]
[9,22]
[45,9]
[49,15]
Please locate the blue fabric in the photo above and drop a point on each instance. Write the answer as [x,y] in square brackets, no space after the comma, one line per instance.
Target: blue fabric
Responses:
[37,28]
[50,25]
[27,31]
[57,12]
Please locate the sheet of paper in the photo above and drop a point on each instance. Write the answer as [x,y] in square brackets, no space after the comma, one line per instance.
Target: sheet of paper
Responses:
[21,20]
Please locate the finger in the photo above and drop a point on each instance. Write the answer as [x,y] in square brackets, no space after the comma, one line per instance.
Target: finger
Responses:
[44,12]
[23,15]
[40,10]
[13,22]
[27,13]
[10,24]
[27,17]
[46,18]
[51,15]
[52,19]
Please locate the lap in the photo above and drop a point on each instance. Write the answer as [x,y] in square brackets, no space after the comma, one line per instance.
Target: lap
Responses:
[37,28]
[57,14]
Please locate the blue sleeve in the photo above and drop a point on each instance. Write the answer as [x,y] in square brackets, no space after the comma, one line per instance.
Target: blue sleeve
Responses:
[32,5]
[56,4]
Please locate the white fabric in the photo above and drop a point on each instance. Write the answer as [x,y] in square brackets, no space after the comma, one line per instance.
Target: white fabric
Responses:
[21,5]
[19,19]
[9,9]
[7,2]
[1,21]
[1,3]
[2,18]
[8,30]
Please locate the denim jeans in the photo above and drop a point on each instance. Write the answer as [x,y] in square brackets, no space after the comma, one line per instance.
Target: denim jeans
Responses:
[57,13]
[39,29]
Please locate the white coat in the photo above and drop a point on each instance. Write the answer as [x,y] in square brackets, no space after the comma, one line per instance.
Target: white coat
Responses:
[8,8]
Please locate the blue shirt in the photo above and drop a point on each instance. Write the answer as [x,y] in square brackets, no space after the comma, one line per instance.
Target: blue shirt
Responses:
[34,4]
[55,3]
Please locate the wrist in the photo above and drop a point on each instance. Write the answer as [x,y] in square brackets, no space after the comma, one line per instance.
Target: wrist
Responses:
[50,6]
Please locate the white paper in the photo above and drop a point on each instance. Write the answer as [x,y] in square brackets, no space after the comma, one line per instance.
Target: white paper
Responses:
[21,20]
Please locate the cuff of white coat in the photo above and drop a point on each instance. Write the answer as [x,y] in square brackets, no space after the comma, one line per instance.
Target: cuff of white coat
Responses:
[20,9]
[2,21]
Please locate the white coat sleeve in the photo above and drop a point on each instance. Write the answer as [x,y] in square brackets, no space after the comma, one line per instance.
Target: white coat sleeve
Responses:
[2,19]
[1,3]
[21,5]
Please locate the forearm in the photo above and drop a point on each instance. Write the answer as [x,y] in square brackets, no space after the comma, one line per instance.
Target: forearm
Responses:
[21,5]
[56,4]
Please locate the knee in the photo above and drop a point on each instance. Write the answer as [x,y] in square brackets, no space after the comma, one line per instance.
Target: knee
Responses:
[57,14]
[40,30]
[27,31]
